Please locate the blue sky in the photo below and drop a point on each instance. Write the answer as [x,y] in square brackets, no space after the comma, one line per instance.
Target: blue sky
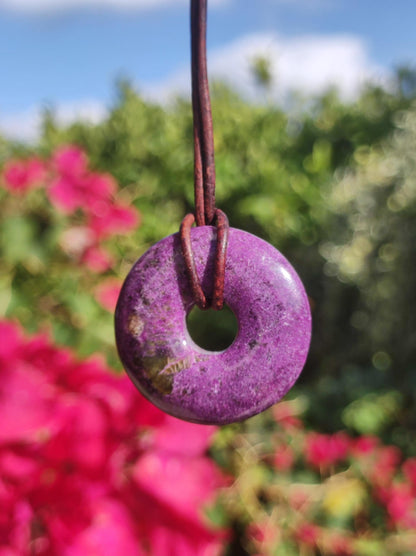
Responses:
[68,53]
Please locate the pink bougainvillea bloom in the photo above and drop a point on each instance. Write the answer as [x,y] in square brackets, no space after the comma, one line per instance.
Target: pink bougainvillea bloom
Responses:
[107,293]
[106,218]
[308,534]
[97,259]
[21,175]
[111,531]
[86,191]
[87,465]
[186,542]
[385,464]
[182,484]
[18,383]
[323,450]
[399,503]
[364,446]
[74,186]
[167,438]
[65,194]
[70,160]
[284,458]
[10,342]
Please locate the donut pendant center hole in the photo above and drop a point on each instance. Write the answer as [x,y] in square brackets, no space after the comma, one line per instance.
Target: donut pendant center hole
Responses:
[212,330]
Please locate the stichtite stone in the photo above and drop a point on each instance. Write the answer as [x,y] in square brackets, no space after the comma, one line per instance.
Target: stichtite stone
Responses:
[186,381]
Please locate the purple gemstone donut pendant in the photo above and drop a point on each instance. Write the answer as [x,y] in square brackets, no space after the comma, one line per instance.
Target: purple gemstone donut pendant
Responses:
[213,387]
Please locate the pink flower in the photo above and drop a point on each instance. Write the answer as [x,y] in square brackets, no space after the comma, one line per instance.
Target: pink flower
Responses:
[22,175]
[107,293]
[74,191]
[70,160]
[111,531]
[10,341]
[74,186]
[170,438]
[88,466]
[308,534]
[17,386]
[399,503]
[97,259]
[364,446]
[384,466]
[284,458]
[106,218]
[181,484]
[323,451]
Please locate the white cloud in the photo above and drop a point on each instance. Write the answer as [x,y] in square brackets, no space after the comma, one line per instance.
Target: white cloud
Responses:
[25,126]
[308,64]
[53,6]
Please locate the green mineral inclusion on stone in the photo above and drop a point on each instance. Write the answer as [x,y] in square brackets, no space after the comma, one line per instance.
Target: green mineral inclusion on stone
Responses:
[161,370]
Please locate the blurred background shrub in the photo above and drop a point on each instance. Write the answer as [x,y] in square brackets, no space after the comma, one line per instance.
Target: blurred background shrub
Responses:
[331,185]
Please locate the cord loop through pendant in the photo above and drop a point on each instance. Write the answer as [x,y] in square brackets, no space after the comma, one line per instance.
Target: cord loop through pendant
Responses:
[222,225]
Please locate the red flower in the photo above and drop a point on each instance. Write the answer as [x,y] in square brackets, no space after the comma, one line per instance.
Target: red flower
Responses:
[21,175]
[323,451]
[364,446]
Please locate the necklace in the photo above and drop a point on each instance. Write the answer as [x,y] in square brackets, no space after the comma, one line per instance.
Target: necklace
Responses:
[207,266]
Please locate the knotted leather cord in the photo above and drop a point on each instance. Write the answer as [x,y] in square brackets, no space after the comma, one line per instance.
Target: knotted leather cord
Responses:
[204,169]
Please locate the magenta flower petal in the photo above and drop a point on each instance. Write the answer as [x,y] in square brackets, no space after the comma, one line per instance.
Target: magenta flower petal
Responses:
[22,175]
[70,161]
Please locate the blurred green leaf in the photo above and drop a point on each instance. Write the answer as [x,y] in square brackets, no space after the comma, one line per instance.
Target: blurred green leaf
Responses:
[373,412]
[18,238]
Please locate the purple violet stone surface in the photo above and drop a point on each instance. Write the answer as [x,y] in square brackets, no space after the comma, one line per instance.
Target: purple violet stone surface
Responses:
[213,387]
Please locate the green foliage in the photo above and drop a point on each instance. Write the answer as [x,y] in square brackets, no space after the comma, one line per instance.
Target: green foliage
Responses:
[330,185]
[371,414]
[333,187]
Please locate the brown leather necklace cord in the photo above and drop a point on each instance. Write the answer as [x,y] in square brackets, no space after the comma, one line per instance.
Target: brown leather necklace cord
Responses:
[204,169]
